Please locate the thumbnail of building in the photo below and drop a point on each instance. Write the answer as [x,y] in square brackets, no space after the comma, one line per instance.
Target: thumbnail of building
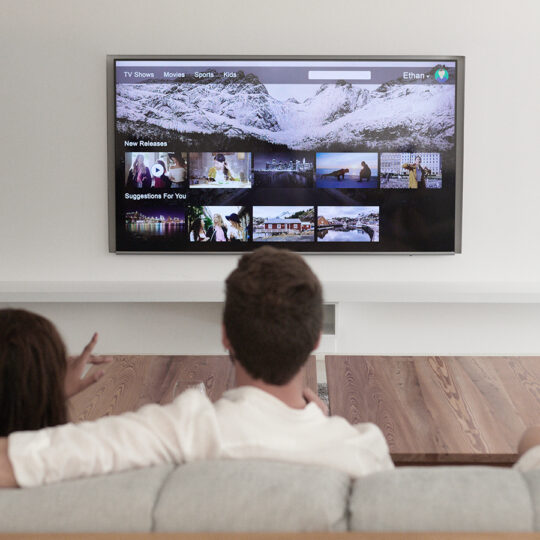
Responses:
[276,225]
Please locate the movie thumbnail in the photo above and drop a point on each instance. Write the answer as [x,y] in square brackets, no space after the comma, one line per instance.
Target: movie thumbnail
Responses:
[155,221]
[221,170]
[218,223]
[411,171]
[155,170]
[347,170]
[283,223]
[283,169]
[348,224]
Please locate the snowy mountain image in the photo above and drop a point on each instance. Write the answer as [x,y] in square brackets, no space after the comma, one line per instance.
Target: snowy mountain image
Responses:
[338,116]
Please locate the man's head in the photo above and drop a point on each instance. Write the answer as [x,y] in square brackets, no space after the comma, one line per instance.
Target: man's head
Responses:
[273,314]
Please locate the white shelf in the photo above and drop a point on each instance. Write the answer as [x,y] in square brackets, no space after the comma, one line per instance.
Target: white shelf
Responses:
[213,291]
[437,292]
[112,291]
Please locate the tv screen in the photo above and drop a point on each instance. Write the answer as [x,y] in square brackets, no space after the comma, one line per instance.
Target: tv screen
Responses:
[352,155]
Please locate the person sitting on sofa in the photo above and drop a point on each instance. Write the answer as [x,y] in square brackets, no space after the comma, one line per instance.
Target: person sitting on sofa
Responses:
[36,375]
[272,321]
[529,449]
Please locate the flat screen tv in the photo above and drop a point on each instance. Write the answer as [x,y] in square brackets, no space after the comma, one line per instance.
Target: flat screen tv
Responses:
[316,154]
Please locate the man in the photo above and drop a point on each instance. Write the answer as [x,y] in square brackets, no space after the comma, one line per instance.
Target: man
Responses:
[365,173]
[272,321]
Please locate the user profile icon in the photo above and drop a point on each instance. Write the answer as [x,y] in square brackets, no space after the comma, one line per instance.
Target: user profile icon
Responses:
[441,75]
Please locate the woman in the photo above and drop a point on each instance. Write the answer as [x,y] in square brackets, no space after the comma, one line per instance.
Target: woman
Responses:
[162,181]
[177,171]
[139,176]
[36,376]
[197,232]
[217,232]
[235,231]
[417,173]
[221,172]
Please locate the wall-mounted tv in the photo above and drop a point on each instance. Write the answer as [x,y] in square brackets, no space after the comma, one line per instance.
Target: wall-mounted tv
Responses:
[318,154]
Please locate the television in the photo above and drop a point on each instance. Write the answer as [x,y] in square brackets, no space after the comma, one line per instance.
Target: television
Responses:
[343,154]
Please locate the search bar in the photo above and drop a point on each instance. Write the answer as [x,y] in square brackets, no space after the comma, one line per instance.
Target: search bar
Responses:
[332,75]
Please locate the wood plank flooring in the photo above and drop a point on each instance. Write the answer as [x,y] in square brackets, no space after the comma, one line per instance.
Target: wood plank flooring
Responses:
[453,410]
[133,381]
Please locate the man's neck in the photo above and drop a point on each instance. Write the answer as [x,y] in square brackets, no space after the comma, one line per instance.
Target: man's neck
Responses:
[290,393]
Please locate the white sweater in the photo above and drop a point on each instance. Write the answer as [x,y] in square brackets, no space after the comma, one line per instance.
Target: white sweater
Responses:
[245,423]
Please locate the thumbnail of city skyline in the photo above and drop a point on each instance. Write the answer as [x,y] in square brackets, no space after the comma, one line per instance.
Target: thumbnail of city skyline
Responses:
[160,214]
[268,160]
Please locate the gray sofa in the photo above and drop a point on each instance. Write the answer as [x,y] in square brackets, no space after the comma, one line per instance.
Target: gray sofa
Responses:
[272,496]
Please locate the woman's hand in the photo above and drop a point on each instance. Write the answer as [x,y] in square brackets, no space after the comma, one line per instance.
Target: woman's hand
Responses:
[75,367]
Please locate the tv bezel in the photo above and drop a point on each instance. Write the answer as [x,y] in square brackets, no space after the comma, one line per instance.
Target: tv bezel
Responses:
[459,121]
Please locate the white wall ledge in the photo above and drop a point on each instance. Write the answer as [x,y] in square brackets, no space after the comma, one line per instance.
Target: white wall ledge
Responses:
[213,291]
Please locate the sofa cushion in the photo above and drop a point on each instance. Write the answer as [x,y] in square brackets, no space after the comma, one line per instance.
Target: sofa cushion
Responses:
[253,495]
[115,503]
[442,499]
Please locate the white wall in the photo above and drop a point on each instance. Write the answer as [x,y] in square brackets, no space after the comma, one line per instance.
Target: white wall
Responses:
[362,328]
[53,198]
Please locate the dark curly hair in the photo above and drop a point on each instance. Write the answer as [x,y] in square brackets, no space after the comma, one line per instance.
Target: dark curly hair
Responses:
[32,372]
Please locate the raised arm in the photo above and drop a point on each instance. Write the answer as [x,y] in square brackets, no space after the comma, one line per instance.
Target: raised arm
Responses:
[183,431]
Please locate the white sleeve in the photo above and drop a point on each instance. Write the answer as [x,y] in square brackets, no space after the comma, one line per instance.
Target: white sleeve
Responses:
[529,461]
[375,448]
[186,430]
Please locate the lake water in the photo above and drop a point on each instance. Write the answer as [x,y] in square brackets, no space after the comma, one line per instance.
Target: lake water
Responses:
[155,229]
[282,179]
[352,235]
[304,237]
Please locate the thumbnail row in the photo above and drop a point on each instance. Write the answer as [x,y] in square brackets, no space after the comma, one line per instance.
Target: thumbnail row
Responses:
[260,223]
[244,170]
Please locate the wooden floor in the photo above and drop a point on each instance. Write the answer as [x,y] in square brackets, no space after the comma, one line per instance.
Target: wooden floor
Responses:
[133,381]
[454,410]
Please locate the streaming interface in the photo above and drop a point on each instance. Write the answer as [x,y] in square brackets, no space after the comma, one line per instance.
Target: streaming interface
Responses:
[318,155]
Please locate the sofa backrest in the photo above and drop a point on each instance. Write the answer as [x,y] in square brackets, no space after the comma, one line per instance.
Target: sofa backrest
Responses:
[257,495]
[469,498]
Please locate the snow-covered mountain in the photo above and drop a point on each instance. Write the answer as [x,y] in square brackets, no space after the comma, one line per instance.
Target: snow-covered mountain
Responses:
[339,115]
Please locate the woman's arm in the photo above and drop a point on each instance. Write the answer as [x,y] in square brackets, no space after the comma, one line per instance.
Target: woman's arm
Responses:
[76,365]
[182,431]
[7,477]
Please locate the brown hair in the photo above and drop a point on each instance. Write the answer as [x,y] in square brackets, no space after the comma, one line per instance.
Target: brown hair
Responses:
[273,313]
[32,372]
